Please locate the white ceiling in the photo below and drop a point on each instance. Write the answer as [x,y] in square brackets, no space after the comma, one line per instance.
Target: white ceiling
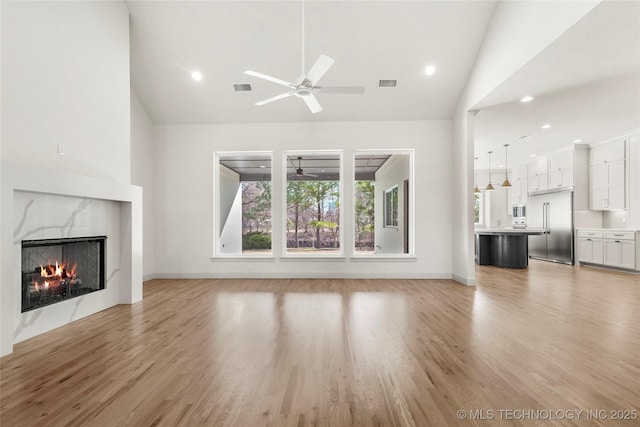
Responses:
[368,40]
[586,85]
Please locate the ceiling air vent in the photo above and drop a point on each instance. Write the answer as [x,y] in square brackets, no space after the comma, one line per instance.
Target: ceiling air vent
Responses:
[242,87]
[387,84]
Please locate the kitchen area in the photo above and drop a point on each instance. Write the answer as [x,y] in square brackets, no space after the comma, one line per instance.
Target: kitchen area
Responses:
[557,152]
[579,205]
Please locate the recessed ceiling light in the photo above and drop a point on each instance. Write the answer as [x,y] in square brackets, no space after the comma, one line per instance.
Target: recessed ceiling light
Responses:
[577,141]
[430,70]
[196,75]
[527,98]
[501,166]
[546,126]
[532,155]
[262,166]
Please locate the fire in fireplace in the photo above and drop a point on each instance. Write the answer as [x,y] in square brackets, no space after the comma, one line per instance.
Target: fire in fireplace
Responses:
[55,270]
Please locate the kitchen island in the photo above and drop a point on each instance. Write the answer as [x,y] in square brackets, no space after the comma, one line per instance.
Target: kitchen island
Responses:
[505,247]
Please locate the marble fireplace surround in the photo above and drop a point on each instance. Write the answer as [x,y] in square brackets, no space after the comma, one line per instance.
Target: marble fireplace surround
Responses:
[113,206]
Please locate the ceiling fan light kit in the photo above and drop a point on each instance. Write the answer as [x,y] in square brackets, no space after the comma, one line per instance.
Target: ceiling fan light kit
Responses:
[305,85]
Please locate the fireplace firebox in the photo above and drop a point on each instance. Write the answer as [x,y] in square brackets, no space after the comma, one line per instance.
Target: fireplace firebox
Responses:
[55,270]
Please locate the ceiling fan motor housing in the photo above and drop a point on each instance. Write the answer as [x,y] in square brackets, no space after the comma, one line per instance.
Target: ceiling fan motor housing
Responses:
[304,88]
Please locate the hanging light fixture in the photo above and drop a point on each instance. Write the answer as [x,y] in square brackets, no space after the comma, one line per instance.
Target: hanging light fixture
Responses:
[506,182]
[475,180]
[489,187]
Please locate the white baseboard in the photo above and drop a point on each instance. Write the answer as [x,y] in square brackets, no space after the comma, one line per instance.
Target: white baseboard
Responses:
[149,276]
[467,281]
[302,275]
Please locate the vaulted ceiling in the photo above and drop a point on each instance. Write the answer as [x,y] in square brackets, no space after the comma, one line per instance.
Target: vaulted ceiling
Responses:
[586,85]
[369,41]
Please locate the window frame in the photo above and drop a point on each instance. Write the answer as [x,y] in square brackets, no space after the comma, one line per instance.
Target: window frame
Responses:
[354,255]
[285,254]
[216,253]
[387,211]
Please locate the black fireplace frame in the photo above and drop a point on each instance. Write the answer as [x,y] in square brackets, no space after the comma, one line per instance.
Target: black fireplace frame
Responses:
[101,240]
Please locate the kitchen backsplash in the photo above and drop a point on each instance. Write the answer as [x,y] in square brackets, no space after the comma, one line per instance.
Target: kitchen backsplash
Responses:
[614,219]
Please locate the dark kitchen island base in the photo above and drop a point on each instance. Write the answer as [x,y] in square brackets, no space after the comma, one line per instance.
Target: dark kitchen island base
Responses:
[503,248]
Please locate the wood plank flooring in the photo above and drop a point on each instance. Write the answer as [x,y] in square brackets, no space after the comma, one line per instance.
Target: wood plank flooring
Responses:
[341,352]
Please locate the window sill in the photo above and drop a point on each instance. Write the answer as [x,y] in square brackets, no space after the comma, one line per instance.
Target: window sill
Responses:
[313,258]
[383,257]
[241,258]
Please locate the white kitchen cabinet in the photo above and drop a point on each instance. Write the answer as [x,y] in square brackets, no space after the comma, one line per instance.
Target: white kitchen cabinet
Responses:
[620,249]
[620,253]
[538,175]
[633,183]
[608,152]
[590,249]
[561,169]
[519,185]
[561,160]
[607,186]
[539,166]
[616,187]
[537,183]
[561,178]
[614,248]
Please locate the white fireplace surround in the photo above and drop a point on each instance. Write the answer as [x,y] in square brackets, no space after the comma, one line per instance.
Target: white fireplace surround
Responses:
[122,203]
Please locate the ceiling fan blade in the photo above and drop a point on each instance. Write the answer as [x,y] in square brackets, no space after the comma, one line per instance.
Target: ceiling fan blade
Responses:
[310,174]
[312,103]
[355,90]
[321,66]
[274,98]
[269,78]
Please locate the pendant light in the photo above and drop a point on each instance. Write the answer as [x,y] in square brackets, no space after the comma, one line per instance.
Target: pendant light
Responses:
[489,186]
[475,180]
[506,182]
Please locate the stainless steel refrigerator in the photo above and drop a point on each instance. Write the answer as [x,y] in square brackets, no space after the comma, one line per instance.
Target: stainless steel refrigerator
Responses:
[553,212]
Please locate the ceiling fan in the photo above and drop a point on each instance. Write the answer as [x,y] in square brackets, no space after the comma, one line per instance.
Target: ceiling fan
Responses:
[299,170]
[305,85]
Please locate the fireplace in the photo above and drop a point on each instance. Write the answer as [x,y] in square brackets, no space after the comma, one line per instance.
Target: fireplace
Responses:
[55,270]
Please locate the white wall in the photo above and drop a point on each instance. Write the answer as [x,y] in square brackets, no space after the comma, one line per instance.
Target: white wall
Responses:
[517,33]
[142,154]
[65,80]
[185,156]
[392,173]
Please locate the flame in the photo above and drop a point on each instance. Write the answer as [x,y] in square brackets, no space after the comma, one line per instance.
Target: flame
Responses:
[58,272]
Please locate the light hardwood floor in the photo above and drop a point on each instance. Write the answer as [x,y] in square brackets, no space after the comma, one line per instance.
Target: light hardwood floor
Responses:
[340,352]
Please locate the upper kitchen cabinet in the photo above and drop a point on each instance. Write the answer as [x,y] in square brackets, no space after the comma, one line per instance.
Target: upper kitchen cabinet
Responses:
[538,175]
[633,188]
[561,169]
[607,176]
[519,185]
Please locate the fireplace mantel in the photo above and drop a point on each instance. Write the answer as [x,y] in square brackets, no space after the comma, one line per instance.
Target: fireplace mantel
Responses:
[19,181]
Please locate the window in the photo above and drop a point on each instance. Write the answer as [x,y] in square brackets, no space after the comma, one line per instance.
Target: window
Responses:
[243,204]
[312,203]
[477,208]
[383,202]
[391,207]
